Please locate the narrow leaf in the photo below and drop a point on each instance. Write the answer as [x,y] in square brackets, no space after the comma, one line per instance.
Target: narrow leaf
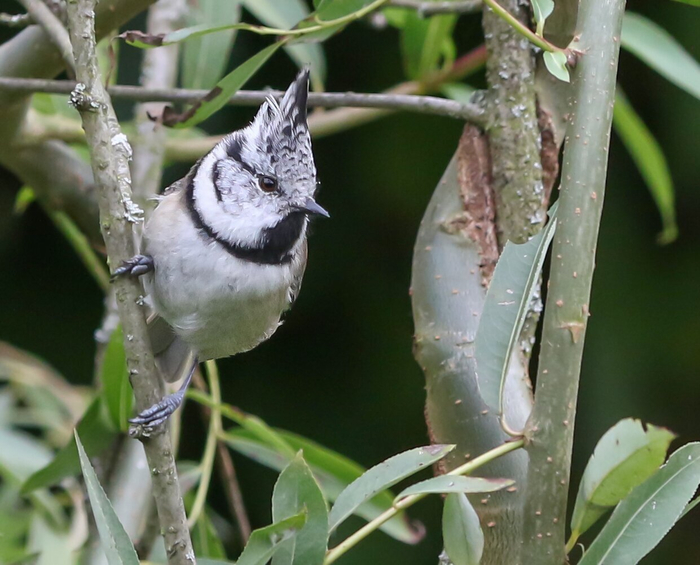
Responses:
[542,9]
[296,489]
[381,477]
[450,483]
[333,472]
[461,531]
[220,94]
[625,457]
[422,42]
[659,49]
[556,65]
[25,196]
[265,542]
[97,432]
[206,541]
[117,392]
[204,59]
[648,155]
[643,518]
[115,541]
[514,281]
[286,14]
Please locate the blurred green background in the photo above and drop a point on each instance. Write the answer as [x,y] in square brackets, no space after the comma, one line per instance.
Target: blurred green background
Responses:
[340,370]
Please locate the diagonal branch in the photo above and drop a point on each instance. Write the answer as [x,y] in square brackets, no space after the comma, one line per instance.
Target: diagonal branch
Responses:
[109,155]
[42,14]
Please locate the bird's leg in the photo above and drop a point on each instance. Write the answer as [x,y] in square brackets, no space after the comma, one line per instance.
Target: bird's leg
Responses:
[135,267]
[159,413]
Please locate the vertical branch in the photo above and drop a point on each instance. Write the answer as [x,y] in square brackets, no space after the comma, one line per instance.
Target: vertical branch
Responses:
[551,426]
[454,254]
[109,155]
[159,70]
[514,135]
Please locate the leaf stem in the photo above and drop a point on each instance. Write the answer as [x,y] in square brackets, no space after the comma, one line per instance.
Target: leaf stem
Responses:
[215,427]
[81,246]
[339,550]
[522,29]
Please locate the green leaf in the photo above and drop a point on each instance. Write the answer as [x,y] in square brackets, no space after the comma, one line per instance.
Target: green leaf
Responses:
[97,432]
[333,472]
[334,9]
[508,299]
[286,14]
[643,518]
[659,49]
[51,545]
[204,58]
[224,89]
[383,476]
[115,541]
[625,457]
[556,65]
[296,489]
[450,483]
[690,2]
[116,388]
[423,42]
[24,198]
[265,542]
[461,531]
[542,9]
[648,155]
[205,539]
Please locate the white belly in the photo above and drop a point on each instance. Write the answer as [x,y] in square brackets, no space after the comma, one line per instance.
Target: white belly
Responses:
[219,304]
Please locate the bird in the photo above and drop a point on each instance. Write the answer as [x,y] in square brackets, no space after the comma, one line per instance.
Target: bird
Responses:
[224,251]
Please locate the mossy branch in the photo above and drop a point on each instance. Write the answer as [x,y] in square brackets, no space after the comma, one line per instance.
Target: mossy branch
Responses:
[109,155]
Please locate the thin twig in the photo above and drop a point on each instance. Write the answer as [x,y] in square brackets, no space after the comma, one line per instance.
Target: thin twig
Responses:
[410,103]
[109,156]
[522,29]
[207,464]
[233,491]
[227,470]
[42,15]
[426,9]
[15,20]
[340,549]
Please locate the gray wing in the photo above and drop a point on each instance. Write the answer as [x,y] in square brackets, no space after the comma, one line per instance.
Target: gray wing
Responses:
[173,356]
[295,287]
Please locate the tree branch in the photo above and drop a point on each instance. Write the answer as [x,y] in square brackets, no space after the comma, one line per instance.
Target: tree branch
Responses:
[410,103]
[109,153]
[42,15]
[551,425]
[514,134]
[15,20]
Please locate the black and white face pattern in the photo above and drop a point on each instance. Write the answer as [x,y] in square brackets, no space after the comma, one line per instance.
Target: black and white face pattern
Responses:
[252,192]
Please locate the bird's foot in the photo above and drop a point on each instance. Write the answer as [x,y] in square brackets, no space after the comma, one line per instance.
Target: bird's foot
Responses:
[135,267]
[147,421]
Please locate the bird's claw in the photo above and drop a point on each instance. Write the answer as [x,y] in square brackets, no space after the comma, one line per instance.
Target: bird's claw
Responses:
[135,267]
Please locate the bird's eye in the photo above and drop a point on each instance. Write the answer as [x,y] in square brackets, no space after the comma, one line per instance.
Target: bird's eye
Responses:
[268,184]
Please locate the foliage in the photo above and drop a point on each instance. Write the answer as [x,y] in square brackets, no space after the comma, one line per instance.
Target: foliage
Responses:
[318,489]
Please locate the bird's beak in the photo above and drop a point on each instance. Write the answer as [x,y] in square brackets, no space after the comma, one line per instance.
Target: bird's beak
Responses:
[311,207]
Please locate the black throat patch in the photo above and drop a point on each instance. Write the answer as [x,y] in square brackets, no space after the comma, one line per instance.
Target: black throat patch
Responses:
[276,242]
